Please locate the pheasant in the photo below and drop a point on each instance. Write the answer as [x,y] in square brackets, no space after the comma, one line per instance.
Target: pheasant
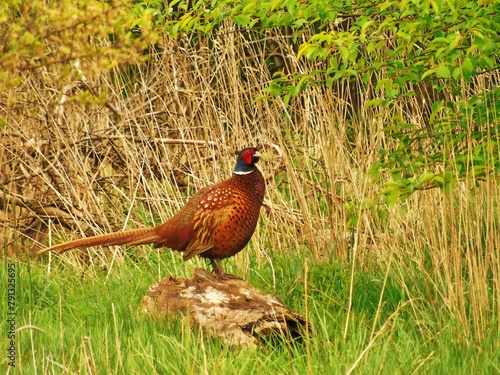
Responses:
[216,223]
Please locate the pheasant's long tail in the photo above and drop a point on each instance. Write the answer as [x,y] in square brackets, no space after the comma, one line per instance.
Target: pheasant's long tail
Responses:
[130,237]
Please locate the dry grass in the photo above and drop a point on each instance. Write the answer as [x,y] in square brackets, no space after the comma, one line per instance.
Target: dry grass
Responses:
[74,164]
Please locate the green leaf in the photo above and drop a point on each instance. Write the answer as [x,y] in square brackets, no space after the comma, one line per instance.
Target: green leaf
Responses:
[391,196]
[467,69]
[427,176]
[373,103]
[344,54]
[428,73]
[443,71]
[241,20]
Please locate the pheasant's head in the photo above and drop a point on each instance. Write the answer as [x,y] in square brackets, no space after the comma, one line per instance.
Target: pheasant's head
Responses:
[247,158]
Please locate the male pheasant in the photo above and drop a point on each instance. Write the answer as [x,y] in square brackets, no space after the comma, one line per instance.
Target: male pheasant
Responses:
[216,223]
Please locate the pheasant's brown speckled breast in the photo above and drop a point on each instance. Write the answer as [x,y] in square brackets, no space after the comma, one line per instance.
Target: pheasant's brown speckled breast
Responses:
[219,220]
[228,214]
[240,202]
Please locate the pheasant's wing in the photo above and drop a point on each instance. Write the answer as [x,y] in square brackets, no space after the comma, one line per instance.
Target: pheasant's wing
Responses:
[213,211]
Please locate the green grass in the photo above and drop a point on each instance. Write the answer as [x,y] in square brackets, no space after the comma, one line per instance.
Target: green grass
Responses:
[88,323]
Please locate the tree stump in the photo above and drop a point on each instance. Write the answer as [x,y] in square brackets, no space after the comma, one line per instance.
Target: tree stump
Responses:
[229,309]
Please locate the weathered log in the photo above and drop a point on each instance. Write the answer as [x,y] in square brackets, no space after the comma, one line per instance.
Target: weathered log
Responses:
[229,308]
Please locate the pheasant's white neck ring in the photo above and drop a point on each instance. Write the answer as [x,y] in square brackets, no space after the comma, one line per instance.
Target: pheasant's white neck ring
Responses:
[242,172]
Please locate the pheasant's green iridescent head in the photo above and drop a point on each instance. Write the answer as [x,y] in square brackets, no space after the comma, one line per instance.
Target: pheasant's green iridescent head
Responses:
[247,158]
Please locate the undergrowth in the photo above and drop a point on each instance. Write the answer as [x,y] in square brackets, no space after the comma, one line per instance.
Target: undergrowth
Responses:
[95,325]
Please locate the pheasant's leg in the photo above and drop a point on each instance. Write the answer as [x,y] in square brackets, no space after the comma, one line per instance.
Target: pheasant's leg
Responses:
[217,266]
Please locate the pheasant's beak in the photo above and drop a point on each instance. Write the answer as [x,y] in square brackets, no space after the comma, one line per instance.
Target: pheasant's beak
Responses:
[256,157]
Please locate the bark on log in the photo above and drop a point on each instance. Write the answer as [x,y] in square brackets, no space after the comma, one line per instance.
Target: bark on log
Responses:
[229,309]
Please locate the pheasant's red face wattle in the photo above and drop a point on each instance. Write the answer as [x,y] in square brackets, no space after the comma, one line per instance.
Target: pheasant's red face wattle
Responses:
[247,156]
